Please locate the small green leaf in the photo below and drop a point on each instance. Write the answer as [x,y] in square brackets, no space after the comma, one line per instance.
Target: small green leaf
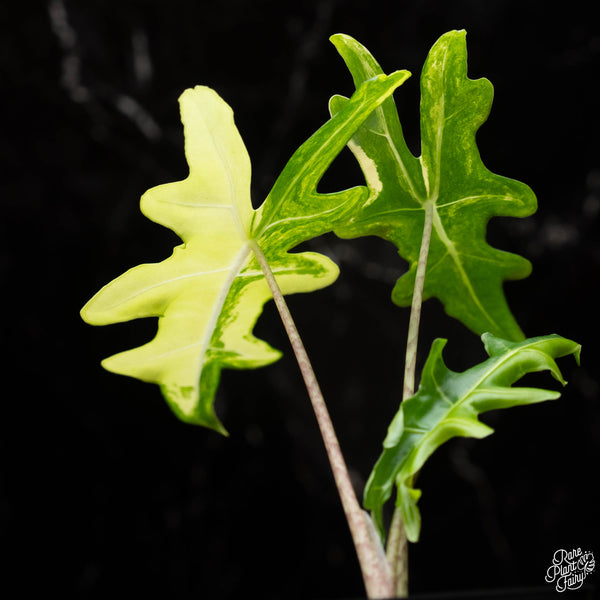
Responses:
[210,292]
[463,271]
[448,404]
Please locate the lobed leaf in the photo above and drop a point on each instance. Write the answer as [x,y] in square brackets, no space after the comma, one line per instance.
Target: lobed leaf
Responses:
[448,404]
[449,177]
[209,293]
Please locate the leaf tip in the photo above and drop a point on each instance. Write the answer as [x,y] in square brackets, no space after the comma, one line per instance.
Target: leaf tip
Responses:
[185,403]
[399,77]
[84,314]
[339,40]
[336,103]
[457,34]
[407,500]
[94,312]
[577,355]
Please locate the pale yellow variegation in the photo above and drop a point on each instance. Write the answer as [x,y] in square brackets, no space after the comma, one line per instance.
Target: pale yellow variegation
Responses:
[209,293]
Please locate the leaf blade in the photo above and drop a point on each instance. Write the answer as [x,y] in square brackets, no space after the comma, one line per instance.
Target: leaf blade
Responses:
[209,294]
[464,272]
[448,404]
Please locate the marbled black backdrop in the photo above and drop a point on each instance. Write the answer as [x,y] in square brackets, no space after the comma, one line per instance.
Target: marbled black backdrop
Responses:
[103,491]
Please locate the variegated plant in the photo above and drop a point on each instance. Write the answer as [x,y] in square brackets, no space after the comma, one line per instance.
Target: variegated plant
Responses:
[209,294]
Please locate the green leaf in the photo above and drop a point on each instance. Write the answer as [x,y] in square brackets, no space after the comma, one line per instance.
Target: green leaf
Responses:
[449,178]
[210,292]
[448,404]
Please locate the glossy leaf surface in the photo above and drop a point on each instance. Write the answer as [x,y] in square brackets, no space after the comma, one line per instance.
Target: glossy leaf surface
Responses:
[209,293]
[448,404]
[463,270]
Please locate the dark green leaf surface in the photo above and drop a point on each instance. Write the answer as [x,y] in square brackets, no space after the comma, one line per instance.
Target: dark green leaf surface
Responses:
[449,177]
[447,405]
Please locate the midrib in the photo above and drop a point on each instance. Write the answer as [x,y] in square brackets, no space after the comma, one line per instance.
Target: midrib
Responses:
[428,433]
[433,197]
[234,269]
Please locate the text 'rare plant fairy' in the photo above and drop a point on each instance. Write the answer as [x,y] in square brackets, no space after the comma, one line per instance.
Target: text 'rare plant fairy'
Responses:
[435,208]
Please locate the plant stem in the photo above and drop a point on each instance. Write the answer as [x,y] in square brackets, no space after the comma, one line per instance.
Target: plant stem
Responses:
[375,570]
[410,363]
[397,547]
[397,554]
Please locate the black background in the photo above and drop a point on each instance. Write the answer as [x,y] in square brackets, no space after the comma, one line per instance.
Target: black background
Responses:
[103,492]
